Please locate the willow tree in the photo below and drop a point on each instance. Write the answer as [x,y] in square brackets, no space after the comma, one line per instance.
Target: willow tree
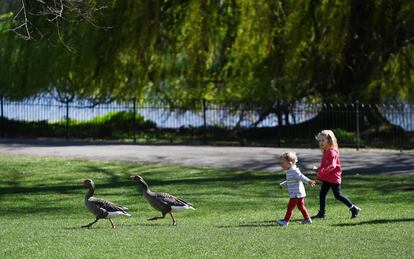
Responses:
[102,63]
[7,53]
[264,51]
[20,70]
[192,48]
[39,44]
[394,59]
[251,47]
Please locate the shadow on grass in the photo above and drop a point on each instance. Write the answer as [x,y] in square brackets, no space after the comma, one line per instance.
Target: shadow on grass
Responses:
[252,224]
[35,209]
[118,226]
[374,222]
[204,184]
[114,177]
[63,189]
[46,205]
[101,224]
[147,225]
[224,180]
[80,228]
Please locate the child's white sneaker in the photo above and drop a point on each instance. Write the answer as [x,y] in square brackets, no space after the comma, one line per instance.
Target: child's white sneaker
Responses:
[306,221]
[282,223]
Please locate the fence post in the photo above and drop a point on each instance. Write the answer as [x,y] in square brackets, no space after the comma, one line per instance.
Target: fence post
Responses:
[67,119]
[357,123]
[204,121]
[402,137]
[134,120]
[2,116]
[279,125]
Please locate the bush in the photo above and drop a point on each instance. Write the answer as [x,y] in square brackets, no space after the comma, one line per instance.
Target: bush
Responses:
[387,136]
[123,120]
[117,124]
[344,136]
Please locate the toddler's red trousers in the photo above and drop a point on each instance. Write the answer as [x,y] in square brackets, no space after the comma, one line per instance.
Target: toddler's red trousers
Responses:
[293,202]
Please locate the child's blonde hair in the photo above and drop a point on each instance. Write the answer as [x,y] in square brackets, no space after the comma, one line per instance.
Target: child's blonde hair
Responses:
[290,157]
[330,136]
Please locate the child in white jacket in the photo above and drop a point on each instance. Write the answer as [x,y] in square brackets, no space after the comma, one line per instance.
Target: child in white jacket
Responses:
[294,184]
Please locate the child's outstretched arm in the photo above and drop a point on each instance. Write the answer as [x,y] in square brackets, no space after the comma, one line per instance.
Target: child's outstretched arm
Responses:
[305,179]
[283,185]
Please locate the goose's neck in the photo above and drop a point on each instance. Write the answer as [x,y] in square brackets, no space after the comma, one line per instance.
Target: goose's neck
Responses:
[144,187]
[89,193]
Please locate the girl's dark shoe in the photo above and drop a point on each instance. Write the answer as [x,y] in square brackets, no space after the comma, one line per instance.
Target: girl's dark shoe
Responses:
[355,211]
[320,215]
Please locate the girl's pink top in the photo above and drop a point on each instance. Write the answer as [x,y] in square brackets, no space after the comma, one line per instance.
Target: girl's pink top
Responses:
[330,168]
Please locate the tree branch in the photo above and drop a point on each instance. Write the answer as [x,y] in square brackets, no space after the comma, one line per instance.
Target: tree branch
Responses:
[53,11]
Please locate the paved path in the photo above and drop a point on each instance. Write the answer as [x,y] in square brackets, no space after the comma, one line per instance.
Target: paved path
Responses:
[363,162]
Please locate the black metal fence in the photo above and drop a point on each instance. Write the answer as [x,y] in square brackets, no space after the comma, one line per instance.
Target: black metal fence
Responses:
[204,122]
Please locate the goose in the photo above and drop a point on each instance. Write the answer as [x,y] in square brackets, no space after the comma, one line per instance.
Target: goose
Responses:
[102,209]
[163,202]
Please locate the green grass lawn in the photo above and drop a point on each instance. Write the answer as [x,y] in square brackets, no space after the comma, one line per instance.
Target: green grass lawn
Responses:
[41,211]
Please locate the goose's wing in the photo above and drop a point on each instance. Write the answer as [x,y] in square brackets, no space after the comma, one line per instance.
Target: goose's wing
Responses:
[107,205]
[171,200]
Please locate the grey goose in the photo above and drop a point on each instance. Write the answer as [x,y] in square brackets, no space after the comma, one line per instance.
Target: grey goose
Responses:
[102,209]
[163,202]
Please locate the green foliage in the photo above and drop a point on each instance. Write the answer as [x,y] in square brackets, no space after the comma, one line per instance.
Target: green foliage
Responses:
[398,75]
[122,119]
[229,50]
[345,137]
[113,125]
[42,211]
